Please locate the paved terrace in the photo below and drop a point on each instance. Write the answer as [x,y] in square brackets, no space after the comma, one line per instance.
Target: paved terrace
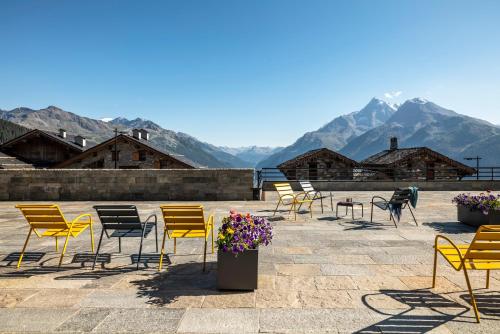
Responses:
[320,275]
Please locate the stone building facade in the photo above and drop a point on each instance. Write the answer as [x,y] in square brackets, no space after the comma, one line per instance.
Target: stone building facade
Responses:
[44,149]
[127,152]
[320,164]
[416,163]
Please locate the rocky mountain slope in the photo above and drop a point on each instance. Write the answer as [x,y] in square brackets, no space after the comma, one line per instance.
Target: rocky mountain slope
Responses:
[337,133]
[419,122]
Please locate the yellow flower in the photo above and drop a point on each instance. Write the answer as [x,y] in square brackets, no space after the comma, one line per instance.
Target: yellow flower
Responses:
[221,236]
[230,231]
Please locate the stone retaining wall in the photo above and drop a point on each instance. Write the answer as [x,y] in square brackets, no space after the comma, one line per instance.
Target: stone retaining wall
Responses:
[126,185]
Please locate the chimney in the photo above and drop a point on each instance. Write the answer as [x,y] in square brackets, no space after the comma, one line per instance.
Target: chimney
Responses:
[394,143]
[144,134]
[62,133]
[80,141]
[136,133]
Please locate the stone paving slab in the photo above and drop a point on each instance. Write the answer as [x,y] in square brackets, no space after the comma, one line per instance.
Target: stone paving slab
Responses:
[320,275]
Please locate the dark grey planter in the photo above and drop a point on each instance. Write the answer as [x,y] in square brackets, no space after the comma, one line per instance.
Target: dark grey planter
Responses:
[472,218]
[494,217]
[237,272]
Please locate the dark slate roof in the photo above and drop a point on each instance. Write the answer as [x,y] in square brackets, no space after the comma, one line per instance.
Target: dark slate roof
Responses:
[47,134]
[10,162]
[143,142]
[391,157]
[300,158]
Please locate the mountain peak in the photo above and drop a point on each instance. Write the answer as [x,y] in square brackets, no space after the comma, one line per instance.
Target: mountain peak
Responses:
[419,100]
[53,108]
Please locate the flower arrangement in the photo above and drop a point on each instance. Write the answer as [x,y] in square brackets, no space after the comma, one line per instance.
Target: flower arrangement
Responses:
[240,232]
[483,202]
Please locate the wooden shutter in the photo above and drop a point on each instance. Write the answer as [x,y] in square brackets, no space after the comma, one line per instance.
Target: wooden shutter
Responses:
[157,164]
[135,156]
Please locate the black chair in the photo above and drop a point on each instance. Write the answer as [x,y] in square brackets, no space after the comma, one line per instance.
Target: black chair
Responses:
[401,197]
[124,222]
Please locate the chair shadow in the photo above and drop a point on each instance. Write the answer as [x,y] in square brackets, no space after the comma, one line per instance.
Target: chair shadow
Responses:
[487,302]
[179,281]
[329,218]
[12,258]
[418,322]
[363,225]
[451,227]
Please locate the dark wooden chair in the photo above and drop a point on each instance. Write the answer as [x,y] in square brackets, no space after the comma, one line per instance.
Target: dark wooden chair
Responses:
[401,197]
[124,222]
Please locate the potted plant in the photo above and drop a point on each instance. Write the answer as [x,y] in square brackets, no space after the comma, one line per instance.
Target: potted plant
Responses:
[477,210]
[238,244]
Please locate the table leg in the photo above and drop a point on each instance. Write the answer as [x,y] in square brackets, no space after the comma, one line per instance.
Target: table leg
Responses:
[362,211]
[352,211]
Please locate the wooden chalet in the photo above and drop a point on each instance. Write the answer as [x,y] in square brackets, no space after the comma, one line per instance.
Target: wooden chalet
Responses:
[43,149]
[127,152]
[319,164]
[415,163]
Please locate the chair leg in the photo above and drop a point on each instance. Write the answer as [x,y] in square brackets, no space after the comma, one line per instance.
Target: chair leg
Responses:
[276,210]
[140,252]
[162,250]
[331,200]
[175,245]
[64,248]
[337,211]
[205,255]
[212,239]
[119,244]
[98,248]
[352,212]
[24,248]
[472,299]
[413,215]
[156,236]
[57,245]
[321,201]
[92,237]
[371,215]
[434,270]
[391,217]
[487,279]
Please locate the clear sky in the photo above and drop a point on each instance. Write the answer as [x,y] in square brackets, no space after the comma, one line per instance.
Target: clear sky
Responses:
[248,72]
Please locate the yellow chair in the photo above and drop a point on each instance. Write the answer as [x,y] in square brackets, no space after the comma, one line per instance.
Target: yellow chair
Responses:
[288,197]
[186,221]
[49,219]
[483,253]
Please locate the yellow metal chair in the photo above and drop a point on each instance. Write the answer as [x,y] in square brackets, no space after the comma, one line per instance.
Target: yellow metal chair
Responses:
[47,220]
[186,221]
[288,197]
[483,253]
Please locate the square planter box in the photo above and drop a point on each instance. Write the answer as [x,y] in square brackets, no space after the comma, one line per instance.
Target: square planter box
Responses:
[237,272]
[477,218]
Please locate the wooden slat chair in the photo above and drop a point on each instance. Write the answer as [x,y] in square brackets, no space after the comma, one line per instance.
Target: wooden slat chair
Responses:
[313,194]
[288,197]
[483,253]
[400,196]
[186,221]
[47,220]
[124,222]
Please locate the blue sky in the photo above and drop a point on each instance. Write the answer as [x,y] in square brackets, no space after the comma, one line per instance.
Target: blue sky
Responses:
[248,72]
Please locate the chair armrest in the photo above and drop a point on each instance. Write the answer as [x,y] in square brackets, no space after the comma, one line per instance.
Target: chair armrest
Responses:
[151,216]
[379,198]
[290,196]
[210,221]
[88,215]
[439,236]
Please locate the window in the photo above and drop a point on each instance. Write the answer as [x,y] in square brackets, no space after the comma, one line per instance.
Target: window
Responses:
[142,155]
[164,163]
[94,154]
[115,156]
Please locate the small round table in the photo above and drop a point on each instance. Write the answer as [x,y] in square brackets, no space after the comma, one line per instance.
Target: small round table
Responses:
[349,205]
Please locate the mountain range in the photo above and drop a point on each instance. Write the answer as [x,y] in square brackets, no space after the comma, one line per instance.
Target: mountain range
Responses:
[359,134]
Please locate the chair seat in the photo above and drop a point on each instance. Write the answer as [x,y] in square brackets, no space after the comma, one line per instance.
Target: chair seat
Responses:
[62,232]
[381,205]
[451,255]
[133,232]
[188,233]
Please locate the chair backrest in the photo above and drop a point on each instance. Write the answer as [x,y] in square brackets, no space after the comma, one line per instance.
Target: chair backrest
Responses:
[118,217]
[284,189]
[183,217]
[400,196]
[485,245]
[307,187]
[43,215]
